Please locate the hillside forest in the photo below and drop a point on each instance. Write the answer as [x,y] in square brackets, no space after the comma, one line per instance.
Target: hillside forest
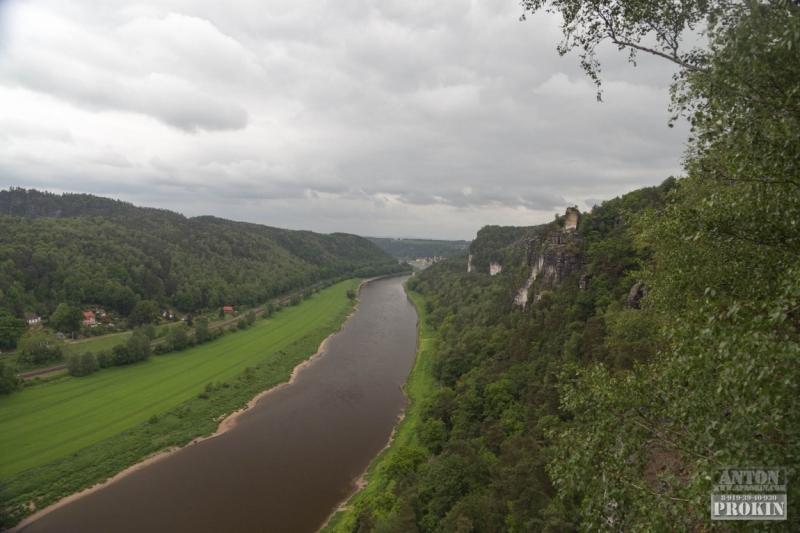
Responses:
[411,249]
[63,254]
[597,379]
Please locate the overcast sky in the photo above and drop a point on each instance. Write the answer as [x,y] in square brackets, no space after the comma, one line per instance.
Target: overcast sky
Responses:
[386,118]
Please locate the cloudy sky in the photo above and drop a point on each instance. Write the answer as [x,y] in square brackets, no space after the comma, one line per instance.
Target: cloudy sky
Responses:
[387,118]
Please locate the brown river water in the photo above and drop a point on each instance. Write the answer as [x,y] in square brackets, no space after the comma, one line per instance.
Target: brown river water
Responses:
[291,460]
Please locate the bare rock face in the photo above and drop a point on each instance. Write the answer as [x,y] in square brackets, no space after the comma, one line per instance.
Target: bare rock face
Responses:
[571,218]
[470,266]
[521,298]
[495,268]
[638,291]
[584,282]
[551,259]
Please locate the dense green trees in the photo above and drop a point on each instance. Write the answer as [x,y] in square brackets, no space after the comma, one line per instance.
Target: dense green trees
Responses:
[136,349]
[723,283]
[9,382]
[66,318]
[11,329]
[144,312]
[201,331]
[79,249]
[583,413]
[82,365]
[39,349]
[413,248]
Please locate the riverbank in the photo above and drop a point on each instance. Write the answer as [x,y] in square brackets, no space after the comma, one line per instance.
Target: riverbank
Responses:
[39,489]
[419,386]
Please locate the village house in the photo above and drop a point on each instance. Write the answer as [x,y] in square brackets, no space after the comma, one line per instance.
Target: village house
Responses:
[228,310]
[169,313]
[32,319]
[60,336]
[88,319]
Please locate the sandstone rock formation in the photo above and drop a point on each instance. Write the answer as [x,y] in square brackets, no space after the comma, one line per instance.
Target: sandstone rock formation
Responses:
[550,258]
[571,218]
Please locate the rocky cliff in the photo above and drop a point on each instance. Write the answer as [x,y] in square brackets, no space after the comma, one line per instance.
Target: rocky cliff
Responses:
[549,252]
[552,257]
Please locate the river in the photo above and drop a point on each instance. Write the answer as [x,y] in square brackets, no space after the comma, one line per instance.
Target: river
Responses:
[290,460]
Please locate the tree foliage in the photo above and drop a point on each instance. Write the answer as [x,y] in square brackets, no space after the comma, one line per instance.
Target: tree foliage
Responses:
[144,312]
[66,318]
[582,413]
[9,382]
[80,250]
[11,329]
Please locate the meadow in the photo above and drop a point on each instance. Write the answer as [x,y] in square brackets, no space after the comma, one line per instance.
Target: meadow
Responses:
[56,419]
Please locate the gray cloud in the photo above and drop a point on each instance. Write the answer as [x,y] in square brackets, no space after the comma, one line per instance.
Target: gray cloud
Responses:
[397,117]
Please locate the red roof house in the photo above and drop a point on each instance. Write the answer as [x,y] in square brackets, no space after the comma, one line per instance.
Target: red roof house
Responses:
[88,318]
[228,309]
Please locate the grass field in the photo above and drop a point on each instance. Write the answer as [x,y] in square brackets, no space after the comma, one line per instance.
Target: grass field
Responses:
[46,422]
[419,386]
[95,344]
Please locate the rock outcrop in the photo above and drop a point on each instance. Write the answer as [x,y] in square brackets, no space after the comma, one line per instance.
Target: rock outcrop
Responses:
[550,258]
[571,218]
[495,268]
[638,291]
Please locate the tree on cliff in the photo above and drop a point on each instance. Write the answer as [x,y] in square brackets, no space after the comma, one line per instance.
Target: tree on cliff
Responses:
[723,274]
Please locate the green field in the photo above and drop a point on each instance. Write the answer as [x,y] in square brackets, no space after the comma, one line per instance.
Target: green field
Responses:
[95,344]
[50,421]
[420,386]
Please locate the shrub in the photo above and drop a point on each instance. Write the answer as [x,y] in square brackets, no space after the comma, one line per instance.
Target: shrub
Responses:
[104,359]
[82,365]
[178,338]
[9,381]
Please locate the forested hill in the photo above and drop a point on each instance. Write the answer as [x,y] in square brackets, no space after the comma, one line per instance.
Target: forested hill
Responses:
[596,379]
[82,250]
[421,248]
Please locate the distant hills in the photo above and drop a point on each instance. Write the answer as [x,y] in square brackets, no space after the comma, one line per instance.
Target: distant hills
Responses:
[410,249]
[83,249]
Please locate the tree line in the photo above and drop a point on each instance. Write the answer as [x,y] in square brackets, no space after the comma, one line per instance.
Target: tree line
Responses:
[60,253]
